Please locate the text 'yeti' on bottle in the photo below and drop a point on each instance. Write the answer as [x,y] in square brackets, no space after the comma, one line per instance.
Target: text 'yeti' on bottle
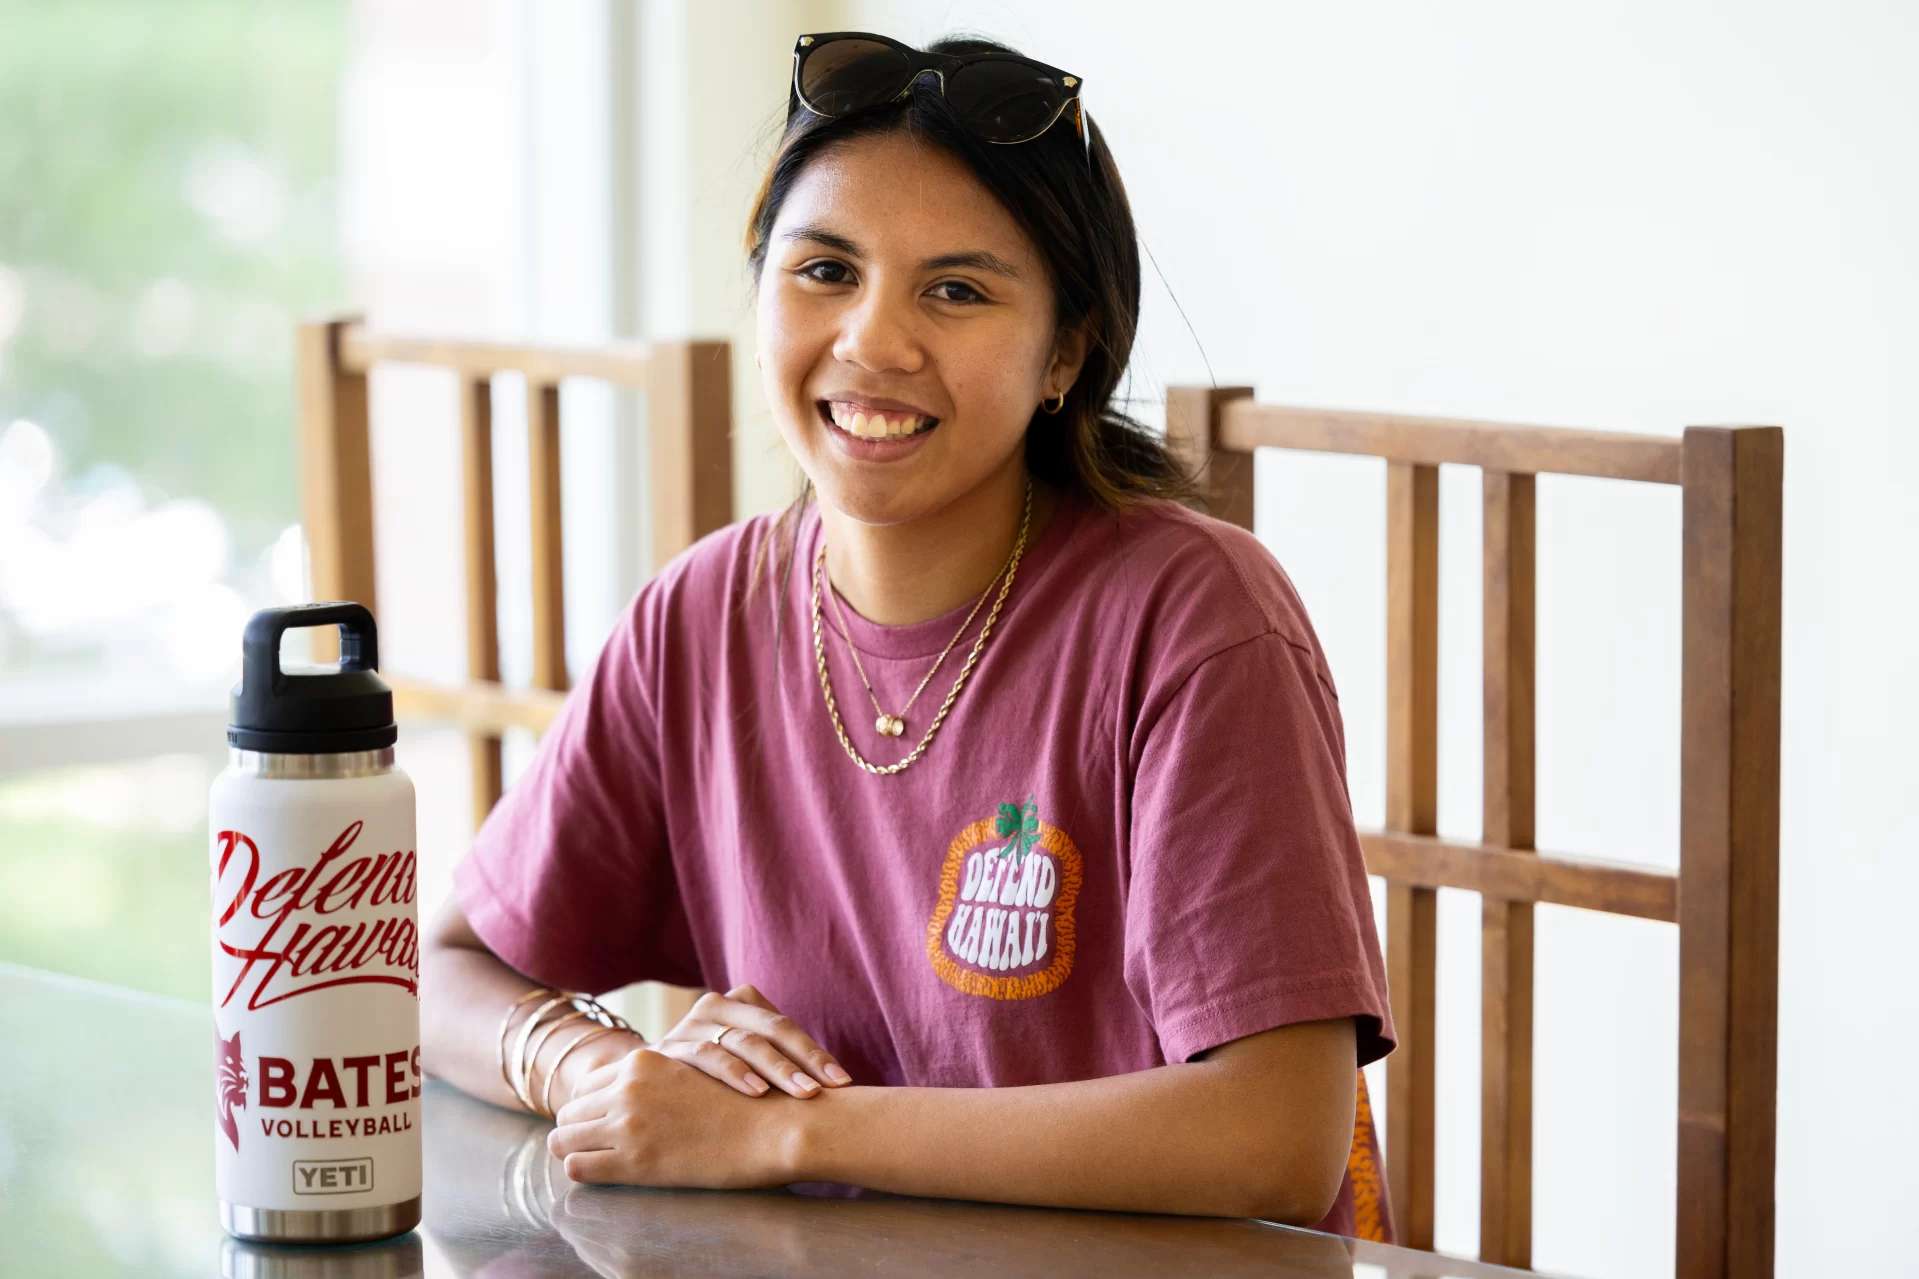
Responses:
[315,947]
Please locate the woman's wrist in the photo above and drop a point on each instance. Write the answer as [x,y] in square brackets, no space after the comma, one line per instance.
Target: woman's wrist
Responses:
[813,1135]
[602,1050]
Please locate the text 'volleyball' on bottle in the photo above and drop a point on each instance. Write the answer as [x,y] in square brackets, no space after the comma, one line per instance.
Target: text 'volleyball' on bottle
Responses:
[316,947]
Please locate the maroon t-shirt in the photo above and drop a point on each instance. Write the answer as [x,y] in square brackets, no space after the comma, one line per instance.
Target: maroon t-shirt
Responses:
[1130,842]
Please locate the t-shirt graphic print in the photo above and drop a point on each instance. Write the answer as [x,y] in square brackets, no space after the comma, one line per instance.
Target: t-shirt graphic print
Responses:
[1003,928]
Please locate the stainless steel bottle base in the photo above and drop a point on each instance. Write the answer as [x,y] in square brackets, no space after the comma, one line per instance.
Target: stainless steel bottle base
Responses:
[399,1258]
[332,1225]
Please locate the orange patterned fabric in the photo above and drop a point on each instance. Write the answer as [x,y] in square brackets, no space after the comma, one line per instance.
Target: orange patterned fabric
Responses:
[1366,1173]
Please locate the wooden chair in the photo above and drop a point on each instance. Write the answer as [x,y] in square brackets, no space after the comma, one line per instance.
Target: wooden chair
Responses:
[689,423]
[1725,898]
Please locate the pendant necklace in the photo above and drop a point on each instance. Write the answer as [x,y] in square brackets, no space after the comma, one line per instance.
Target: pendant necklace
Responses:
[894,725]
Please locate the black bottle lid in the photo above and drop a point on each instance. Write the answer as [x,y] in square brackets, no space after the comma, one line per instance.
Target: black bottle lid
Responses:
[328,710]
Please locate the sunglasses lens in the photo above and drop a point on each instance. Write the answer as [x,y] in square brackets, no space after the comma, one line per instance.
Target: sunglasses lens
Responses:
[849,75]
[1005,101]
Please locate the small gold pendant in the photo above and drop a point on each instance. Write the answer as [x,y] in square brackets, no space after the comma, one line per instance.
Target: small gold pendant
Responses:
[889,725]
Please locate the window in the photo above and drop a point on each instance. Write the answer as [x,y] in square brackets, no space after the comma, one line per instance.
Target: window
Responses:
[167,206]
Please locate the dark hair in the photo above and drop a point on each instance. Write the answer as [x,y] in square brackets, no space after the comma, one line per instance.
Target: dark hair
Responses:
[1082,225]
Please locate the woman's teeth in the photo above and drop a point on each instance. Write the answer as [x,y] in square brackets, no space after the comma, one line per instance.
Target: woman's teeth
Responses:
[877,426]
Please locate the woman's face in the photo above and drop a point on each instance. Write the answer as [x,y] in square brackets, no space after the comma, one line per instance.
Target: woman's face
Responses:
[906,329]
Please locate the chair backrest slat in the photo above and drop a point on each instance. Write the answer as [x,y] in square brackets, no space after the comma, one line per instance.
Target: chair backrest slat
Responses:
[482,585]
[1412,807]
[549,584]
[1518,875]
[1506,941]
[690,394]
[480,709]
[623,363]
[336,474]
[1725,897]
[1729,850]
[1432,441]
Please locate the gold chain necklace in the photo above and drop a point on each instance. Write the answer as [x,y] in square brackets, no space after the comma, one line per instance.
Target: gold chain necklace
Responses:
[894,725]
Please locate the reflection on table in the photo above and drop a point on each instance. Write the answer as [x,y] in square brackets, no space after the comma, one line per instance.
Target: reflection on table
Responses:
[106,1169]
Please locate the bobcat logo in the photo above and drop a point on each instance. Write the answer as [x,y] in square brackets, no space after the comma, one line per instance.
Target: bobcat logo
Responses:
[230,1072]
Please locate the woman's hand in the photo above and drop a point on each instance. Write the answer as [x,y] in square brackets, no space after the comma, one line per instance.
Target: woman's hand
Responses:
[741,1040]
[595,1053]
[648,1120]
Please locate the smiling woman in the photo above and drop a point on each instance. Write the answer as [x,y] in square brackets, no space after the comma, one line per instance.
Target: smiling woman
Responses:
[905,381]
[1095,932]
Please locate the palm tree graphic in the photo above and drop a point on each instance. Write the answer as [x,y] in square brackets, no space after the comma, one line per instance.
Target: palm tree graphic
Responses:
[1021,822]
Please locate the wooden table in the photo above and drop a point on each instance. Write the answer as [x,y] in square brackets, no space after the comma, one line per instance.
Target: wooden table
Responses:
[106,1141]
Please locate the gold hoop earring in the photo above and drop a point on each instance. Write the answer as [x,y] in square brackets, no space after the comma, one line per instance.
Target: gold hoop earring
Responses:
[1053,404]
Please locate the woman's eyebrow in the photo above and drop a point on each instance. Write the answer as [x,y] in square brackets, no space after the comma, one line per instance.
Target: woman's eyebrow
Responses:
[820,235]
[978,259]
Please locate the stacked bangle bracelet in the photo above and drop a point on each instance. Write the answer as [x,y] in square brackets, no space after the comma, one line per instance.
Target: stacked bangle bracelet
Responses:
[546,1093]
[557,1009]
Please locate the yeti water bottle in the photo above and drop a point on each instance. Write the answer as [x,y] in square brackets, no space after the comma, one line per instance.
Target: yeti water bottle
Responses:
[315,948]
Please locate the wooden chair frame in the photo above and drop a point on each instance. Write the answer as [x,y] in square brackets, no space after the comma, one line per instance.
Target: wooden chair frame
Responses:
[1725,897]
[689,395]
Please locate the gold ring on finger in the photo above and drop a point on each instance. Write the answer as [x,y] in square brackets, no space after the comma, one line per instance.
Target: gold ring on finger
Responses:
[719,1036]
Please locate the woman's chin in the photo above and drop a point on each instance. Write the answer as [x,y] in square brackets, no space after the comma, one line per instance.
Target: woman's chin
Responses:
[877,501]
[890,482]
[908,479]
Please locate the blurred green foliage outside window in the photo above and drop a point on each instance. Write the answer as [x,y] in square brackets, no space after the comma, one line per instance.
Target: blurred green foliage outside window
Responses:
[167,208]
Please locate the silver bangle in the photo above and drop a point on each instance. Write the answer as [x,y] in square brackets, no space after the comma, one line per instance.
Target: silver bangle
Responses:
[531,1063]
[506,1024]
[519,1047]
[546,1093]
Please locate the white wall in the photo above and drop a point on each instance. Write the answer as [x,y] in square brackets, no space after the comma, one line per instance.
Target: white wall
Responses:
[712,78]
[1637,216]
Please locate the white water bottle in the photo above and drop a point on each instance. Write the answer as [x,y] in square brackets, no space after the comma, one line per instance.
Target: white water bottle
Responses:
[315,948]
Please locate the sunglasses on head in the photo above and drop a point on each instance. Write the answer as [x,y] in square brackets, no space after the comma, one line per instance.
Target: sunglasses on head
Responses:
[1000,97]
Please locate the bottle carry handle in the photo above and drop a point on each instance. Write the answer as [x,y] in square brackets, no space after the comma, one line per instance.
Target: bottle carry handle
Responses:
[260,649]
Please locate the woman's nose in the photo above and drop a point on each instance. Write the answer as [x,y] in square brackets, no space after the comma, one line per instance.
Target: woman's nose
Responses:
[878,335]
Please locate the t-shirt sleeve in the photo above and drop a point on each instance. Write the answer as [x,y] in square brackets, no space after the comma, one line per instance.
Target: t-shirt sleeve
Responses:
[570,879]
[1248,905]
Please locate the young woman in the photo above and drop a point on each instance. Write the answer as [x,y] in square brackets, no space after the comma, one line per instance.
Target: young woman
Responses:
[1003,795]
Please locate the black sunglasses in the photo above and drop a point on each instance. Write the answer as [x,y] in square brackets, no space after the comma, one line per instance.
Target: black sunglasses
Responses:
[1001,97]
